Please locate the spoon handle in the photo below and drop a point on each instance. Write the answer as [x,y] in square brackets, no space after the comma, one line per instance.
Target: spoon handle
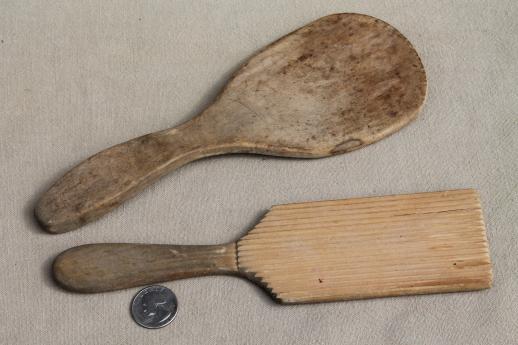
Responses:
[108,178]
[114,266]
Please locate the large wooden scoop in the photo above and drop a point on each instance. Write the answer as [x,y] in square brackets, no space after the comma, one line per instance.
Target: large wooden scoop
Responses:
[316,252]
[333,86]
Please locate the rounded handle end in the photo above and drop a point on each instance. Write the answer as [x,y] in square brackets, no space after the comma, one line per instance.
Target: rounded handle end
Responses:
[112,266]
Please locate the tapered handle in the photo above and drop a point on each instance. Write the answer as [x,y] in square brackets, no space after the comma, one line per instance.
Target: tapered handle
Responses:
[110,266]
[110,177]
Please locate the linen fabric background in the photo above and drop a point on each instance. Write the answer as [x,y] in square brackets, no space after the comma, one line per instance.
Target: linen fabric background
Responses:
[79,76]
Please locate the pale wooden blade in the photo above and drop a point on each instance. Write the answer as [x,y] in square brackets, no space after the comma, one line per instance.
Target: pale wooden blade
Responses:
[369,247]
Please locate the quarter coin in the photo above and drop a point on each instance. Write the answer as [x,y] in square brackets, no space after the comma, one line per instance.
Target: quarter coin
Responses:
[154,306]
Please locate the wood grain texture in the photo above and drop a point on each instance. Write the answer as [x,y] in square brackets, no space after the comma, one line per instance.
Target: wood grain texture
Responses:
[112,266]
[369,247]
[335,85]
[317,252]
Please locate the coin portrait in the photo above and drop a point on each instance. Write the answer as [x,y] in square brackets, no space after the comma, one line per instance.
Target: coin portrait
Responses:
[154,307]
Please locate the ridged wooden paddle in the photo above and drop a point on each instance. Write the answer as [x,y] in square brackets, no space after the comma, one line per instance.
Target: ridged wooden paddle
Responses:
[316,251]
[333,86]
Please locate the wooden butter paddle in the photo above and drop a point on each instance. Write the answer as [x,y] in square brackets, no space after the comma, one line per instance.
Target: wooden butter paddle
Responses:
[316,251]
[333,86]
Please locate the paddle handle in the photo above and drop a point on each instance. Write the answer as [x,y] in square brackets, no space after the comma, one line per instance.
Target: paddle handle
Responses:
[114,266]
[105,180]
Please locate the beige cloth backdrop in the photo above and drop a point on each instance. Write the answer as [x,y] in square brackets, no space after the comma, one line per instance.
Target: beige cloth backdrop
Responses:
[80,76]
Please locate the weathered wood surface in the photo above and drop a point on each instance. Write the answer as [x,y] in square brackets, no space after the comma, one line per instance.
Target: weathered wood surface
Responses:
[335,85]
[113,266]
[317,251]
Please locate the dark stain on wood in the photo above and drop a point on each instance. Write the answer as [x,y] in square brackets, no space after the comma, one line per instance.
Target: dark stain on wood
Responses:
[343,81]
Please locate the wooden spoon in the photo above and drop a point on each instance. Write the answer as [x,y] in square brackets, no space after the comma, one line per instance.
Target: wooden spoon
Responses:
[335,85]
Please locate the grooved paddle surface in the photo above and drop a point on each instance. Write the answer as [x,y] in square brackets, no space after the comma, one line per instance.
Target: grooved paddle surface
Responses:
[369,247]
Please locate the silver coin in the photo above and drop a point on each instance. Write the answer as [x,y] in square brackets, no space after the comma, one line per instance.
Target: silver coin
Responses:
[154,306]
